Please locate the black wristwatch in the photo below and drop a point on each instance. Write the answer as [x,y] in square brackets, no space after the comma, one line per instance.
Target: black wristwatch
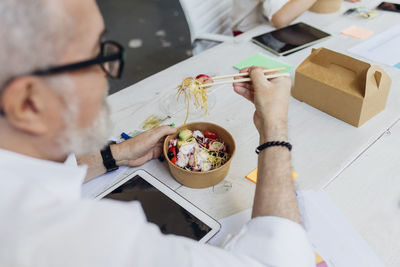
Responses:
[108,159]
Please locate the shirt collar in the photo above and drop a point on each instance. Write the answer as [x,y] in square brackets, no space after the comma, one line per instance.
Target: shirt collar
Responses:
[60,179]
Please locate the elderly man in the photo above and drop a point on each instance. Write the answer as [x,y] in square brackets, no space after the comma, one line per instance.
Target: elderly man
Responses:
[54,66]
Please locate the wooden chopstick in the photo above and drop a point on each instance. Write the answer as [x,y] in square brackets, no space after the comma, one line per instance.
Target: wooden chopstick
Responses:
[244,74]
[245,79]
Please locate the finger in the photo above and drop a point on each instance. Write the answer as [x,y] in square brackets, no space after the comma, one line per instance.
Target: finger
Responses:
[286,81]
[241,84]
[160,142]
[241,71]
[246,86]
[156,134]
[244,70]
[258,78]
[157,151]
[262,69]
[258,69]
[249,95]
[162,131]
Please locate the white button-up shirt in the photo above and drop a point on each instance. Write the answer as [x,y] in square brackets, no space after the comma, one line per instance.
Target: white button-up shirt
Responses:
[45,222]
[247,14]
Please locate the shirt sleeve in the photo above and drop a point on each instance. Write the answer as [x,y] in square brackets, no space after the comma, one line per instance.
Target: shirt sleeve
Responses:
[71,161]
[110,233]
[274,241]
[270,7]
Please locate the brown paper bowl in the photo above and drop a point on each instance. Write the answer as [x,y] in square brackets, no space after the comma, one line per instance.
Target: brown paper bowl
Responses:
[201,179]
[326,6]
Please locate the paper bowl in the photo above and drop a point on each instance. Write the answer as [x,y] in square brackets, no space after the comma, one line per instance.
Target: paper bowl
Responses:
[326,6]
[202,179]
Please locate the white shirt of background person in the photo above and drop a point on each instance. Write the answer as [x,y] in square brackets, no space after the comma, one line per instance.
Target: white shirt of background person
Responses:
[247,14]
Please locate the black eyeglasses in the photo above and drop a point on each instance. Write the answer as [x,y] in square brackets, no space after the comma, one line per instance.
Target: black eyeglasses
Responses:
[111,59]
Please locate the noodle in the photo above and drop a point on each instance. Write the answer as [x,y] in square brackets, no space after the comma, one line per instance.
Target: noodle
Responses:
[192,87]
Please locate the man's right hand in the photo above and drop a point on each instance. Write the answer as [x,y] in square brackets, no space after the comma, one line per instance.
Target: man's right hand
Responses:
[271,100]
[275,194]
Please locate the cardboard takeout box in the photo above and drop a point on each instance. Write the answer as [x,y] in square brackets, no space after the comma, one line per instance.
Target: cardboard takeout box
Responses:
[344,87]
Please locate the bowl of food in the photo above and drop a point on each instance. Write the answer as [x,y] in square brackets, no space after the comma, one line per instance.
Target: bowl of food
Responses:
[199,154]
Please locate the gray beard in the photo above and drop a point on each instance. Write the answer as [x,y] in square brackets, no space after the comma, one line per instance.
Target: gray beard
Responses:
[87,140]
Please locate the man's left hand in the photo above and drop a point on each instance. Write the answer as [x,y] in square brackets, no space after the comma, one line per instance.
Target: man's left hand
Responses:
[141,148]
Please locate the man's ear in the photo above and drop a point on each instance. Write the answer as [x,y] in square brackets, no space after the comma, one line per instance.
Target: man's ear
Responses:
[25,102]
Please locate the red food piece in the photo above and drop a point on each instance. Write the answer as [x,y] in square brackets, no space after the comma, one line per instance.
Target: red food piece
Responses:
[210,135]
[203,76]
[173,150]
[202,144]
[173,160]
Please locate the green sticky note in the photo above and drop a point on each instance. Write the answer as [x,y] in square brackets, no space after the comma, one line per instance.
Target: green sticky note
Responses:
[262,61]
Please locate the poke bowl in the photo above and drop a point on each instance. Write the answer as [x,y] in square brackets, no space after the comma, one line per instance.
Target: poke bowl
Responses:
[199,154]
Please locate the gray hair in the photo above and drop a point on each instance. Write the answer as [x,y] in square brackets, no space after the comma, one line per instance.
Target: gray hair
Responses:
[33,35]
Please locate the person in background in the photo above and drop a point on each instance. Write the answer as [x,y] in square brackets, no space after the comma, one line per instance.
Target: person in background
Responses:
[54,62]
[247,14]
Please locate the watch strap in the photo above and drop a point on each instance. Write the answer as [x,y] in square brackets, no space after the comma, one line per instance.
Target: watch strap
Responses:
[108,159]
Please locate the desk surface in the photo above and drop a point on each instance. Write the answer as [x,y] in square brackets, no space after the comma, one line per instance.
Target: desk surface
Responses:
[356,166]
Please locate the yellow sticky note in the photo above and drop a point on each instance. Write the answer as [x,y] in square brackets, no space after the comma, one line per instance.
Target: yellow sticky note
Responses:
[253,176]
[357,32]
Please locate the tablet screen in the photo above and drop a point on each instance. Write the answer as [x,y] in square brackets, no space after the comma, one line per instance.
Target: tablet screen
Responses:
[170,217]
[389,6]
[291,37]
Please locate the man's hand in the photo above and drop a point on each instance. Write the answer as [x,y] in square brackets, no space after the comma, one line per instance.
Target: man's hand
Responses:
[271,100]
[141,148]
[133,152]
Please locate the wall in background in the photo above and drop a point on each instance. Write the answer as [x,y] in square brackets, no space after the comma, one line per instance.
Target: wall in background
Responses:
[154,33]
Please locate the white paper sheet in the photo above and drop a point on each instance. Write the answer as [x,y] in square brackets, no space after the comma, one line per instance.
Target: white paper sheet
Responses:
[332,236]
[382,48]
[97,185]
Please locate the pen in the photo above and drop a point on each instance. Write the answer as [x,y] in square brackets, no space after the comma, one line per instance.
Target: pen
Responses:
[130,135]
[125,136]
[349,11]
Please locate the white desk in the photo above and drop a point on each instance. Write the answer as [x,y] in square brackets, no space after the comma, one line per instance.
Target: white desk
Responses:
[368,194]
[326,151]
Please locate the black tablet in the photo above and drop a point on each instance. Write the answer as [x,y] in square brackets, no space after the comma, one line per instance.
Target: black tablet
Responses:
[290,39]
[164,207]
[389,7]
